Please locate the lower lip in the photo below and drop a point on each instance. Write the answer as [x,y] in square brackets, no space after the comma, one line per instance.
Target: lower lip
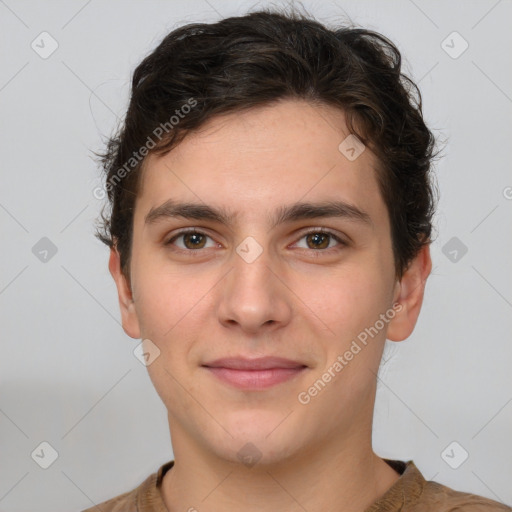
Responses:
[255,379]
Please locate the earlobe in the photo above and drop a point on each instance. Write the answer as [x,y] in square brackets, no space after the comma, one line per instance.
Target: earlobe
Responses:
[129,317]
[409,294]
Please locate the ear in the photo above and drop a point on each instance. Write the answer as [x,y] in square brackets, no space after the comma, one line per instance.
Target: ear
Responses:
[409,293]
[128,314]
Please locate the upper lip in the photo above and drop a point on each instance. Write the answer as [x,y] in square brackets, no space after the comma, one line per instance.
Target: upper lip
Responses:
[261,363]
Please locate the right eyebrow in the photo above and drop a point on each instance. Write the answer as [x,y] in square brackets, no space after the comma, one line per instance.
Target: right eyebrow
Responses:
[193,211]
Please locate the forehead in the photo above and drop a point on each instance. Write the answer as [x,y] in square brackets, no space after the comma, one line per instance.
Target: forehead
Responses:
[252,161]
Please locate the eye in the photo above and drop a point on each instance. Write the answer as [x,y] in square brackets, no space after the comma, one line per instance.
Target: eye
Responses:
[317,239]
[192,240]
[321,239]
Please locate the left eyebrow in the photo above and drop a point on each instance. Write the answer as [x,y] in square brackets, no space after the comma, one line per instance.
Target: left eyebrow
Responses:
[289,213]
[302,211]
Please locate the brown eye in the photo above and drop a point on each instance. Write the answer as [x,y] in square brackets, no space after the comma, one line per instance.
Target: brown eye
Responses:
[190,240]
[194,240]
[318,240]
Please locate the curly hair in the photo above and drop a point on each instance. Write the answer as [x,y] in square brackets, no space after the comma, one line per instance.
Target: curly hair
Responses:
[202,70]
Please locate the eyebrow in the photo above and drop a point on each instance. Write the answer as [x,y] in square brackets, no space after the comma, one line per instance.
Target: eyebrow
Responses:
[283,214]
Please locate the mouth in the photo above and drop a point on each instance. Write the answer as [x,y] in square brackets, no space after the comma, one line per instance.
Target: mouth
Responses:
[260,373]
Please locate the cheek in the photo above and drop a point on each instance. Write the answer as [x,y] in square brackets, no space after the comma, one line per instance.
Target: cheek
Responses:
[174,308]
[169,307]
[349,298]
[167,298]
[351,304]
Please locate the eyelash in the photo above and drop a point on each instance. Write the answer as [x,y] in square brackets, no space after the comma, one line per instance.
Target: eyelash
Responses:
[197,252]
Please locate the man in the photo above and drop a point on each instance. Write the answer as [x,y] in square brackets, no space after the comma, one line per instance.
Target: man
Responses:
[271,207]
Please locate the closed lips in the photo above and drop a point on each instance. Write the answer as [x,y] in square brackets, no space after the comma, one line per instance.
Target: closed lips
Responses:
[264,363]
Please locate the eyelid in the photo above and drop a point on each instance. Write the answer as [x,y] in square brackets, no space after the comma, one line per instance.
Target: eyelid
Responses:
[341,241]
[184,231]
[318,253]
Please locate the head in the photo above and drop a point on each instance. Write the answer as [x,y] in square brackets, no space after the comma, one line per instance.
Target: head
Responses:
[297,158]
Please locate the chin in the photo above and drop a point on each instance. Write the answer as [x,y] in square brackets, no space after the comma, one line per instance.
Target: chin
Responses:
[258,443]
[250,454]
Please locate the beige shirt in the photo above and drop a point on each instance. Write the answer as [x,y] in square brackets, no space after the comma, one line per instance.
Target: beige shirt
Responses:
[410,493]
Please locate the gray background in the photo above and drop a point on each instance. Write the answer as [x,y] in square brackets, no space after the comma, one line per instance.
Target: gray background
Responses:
[68,375]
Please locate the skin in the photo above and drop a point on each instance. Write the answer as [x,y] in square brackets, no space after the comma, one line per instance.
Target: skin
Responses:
[295,301]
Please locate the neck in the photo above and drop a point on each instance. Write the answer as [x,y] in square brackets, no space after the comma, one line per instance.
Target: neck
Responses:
[342,474]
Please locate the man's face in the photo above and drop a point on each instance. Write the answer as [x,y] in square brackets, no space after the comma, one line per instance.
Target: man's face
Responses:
[305,297]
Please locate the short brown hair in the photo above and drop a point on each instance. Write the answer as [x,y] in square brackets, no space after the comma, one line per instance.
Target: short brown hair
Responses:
[253,60]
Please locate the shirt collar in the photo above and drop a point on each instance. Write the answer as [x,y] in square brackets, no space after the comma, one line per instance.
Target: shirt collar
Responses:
[404,492]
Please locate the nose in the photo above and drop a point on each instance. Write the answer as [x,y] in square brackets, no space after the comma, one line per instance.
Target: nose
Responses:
[254,297]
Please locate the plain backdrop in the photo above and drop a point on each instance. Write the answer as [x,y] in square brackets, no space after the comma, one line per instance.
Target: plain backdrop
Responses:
[68,375]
